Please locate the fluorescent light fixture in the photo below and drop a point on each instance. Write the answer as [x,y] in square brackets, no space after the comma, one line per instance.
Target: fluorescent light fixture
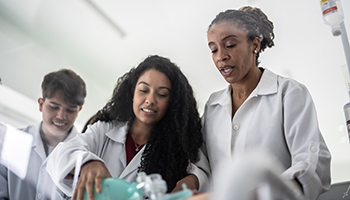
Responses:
[106,17]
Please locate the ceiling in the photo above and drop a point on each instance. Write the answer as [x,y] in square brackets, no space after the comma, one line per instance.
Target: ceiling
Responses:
[103,39]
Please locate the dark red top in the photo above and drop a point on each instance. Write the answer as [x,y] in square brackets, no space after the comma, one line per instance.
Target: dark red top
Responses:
[130,147]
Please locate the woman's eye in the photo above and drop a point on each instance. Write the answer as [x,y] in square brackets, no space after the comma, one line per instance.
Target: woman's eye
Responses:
[162,95]
[231,46]
[214,51]
[143,91]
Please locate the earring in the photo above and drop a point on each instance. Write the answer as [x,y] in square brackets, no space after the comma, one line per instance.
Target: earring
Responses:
[255,51]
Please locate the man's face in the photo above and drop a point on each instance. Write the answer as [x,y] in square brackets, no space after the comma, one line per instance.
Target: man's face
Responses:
[58,116]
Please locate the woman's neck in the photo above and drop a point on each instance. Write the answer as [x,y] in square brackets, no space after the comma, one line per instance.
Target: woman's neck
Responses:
[241,90]
[140,132]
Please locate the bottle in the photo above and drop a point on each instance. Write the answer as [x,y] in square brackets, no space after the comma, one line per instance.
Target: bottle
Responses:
[155,186]
[118,189]
[155,189]
[332,15]
[151,187]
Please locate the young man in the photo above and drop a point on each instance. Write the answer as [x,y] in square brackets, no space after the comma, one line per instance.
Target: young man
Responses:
[63,94]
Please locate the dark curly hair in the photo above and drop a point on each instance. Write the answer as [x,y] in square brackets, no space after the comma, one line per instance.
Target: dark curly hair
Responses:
[72,86]
[176,138]
[254,21]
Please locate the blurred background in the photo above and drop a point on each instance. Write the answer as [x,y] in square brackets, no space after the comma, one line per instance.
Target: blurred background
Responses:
[103,39]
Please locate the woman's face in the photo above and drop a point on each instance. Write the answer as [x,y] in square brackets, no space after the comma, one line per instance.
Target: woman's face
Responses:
[232,53]
[151,97]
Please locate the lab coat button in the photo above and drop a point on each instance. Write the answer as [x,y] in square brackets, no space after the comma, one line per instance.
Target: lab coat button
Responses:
[40,196]
[235,127]
[43,168]
[313,149]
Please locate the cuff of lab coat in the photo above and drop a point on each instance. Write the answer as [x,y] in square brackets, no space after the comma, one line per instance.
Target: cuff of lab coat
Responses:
[202,177]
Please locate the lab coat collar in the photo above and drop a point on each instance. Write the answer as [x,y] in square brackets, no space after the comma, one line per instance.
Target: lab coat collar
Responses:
[267,84]
[118,133]
[35,131]
[38,144]
[224,98]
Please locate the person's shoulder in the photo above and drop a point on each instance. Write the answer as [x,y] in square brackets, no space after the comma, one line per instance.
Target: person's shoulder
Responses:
[31,129]
[285,82]
[106,126]
[215,95]
[290,83]
[27,129]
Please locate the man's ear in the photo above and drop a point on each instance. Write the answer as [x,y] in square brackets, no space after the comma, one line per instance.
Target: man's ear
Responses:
[41,103]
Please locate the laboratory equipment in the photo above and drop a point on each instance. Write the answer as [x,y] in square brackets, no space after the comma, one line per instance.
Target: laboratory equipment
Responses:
[151,186]
[332,14]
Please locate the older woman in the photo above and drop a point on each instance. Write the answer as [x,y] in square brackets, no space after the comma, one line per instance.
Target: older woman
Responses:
[259,109]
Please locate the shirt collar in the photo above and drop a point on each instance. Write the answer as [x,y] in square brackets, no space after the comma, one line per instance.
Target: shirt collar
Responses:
[35,131]
[119,132]
[224,98]
[267,85]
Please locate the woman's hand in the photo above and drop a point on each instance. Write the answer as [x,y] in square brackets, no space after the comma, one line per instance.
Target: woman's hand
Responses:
[191,182]
[92,173]
[201,196]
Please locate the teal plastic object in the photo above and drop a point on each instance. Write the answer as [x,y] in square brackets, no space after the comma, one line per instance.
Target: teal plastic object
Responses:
[151,186]
[117,189]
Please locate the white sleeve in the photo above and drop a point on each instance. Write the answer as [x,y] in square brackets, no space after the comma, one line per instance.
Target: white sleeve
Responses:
[201,170]
[63,158]
[311,158]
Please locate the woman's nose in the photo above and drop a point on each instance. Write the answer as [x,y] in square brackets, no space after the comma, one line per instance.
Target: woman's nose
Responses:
[222,55]
[150,99]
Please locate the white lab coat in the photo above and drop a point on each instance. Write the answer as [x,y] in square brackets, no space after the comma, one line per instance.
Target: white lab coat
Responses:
[103,141]
[278,117]
[37,183]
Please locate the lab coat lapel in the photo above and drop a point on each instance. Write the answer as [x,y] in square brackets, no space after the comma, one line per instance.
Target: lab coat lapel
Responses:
[224,99]
[38,145]
[120,137]
[122,157]
[72,134]
[224,140]
[118,134]
[268,83]
[133,165]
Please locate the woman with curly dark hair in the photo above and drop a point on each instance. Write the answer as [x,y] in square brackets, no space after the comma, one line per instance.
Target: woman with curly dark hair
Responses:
[151,124]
